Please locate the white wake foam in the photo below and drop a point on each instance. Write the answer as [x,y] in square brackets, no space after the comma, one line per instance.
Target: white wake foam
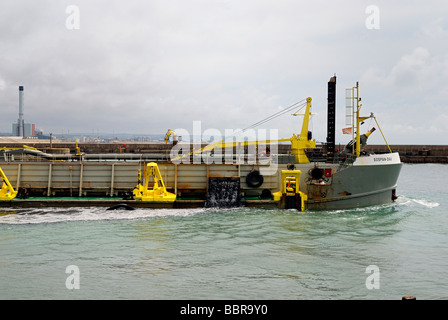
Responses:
[417,202]
[55,215]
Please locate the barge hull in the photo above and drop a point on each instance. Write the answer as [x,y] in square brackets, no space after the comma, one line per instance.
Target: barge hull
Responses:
[368,181]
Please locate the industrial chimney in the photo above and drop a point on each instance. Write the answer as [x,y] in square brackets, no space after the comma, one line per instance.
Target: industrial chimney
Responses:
[21,121]
[331,118]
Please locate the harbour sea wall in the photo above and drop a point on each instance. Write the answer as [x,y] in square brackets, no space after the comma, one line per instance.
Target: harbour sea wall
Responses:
[412,153]
[415,153]
[408,153]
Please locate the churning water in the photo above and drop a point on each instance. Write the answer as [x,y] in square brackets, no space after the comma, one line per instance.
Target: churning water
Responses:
[381,252]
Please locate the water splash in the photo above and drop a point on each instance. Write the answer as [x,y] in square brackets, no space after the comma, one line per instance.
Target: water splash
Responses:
[412,202]
[223,193]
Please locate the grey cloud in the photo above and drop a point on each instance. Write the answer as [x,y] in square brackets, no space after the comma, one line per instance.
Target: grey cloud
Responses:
[146,66]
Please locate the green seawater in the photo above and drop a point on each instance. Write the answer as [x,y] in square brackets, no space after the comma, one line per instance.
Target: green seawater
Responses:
[234,254]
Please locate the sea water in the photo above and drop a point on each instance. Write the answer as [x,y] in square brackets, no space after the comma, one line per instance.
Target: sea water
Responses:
[379,252]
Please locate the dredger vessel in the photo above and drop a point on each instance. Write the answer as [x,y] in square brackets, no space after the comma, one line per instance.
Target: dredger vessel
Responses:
[251,174]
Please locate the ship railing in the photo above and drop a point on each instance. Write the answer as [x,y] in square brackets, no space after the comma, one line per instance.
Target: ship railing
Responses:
[344,160]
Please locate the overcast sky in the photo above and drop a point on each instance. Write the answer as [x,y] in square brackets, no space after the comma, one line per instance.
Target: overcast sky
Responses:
[143,66]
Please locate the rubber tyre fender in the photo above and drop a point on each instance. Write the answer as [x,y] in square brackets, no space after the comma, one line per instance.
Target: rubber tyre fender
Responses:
[254,179]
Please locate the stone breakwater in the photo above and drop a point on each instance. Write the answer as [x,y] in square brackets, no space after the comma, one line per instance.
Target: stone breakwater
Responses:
[408,153]
[415,153]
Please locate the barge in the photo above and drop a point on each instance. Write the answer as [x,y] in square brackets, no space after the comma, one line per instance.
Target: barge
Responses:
[221,174]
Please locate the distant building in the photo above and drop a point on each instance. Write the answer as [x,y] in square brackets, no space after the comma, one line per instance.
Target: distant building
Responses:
[29,130]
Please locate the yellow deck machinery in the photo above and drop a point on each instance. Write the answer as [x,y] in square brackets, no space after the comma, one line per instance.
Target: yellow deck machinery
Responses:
[158,191]
[290,196]
[7,192]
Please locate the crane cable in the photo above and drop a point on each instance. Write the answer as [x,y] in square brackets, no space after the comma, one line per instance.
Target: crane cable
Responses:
[275,115]
[299,104]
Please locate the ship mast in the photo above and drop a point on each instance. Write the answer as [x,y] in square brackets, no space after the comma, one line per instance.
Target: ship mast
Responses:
[353,107]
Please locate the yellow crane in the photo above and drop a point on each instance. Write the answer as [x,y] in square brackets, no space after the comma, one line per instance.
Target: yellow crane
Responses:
[168,134]
[298,142]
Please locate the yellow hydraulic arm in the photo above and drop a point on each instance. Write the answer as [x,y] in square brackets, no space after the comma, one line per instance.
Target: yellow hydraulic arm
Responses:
[24,147]
[7,192]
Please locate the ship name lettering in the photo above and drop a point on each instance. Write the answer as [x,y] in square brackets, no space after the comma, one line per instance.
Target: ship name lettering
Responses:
[383,159]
